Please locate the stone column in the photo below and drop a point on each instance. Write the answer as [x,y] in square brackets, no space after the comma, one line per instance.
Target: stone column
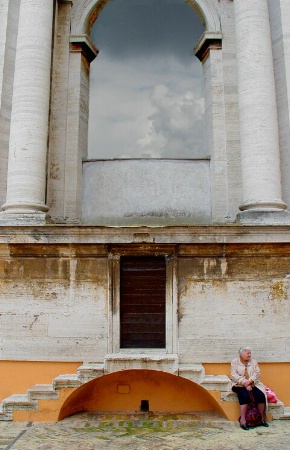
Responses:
[9,15]
[261,176]
[26,182]
[280,31]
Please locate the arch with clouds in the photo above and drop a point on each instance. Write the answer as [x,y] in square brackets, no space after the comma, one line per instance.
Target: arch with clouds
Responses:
[146,93]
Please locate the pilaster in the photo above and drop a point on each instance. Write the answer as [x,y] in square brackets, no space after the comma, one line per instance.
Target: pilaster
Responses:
[209,51]
[82,52]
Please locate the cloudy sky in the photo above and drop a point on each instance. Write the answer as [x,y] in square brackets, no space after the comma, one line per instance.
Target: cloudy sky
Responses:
[146,92]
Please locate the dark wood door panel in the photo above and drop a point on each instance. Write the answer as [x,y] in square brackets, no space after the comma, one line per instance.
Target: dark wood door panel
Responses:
[142,302]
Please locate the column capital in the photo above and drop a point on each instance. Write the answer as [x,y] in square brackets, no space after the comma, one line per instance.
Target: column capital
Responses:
[208,41]
[83,44]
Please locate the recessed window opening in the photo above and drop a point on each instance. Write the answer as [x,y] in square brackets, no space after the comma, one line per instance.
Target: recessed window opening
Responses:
[146,93]
[142,302]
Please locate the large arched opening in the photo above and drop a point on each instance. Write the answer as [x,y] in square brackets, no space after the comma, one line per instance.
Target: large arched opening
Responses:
[76,192]
[128,390]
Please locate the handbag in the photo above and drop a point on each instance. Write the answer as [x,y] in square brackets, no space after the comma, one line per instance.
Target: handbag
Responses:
[253,415]
[271,396]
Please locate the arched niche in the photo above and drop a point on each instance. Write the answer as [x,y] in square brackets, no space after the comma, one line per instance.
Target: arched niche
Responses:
[68,137]
[125,390]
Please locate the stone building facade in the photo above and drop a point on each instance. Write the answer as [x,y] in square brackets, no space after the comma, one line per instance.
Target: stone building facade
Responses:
[217,234]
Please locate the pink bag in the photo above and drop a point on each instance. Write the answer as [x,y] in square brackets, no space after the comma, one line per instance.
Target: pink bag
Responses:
[271,396]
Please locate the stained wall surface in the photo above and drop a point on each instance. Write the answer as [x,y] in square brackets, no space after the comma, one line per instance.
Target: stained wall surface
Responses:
[146,192]
[55,302]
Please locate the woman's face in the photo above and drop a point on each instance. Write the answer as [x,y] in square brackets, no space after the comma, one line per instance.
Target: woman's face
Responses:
[246,356]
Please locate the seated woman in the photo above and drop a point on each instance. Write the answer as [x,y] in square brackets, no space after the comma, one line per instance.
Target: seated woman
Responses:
[245,374]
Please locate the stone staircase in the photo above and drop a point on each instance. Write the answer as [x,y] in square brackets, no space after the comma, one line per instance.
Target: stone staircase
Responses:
[88,372]
[29,401]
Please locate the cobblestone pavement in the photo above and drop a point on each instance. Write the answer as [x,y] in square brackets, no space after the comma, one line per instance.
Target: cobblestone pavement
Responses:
[87,431]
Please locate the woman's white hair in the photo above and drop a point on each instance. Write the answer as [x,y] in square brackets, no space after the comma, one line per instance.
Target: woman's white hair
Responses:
[243,350]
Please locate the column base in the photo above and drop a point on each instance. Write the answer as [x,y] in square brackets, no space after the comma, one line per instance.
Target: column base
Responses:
[19,219]
[279,217]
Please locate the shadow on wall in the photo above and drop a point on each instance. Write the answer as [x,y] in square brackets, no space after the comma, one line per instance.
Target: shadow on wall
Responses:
[133,390]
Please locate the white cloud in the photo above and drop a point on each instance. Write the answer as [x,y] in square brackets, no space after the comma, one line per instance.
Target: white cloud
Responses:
[145,91]
[133,115]
[176,126]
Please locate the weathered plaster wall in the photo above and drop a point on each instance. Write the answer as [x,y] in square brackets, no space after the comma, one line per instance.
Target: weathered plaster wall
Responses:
[55,301]
[53,304]
[233,296]
[146,192]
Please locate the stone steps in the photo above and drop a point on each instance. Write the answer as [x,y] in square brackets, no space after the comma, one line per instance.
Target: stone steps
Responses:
[42,391]
[194,372]
[66,381]
[286,413]
[276,410]
[20,402]
[5,416]
[88,372]
[220,383]
[29,401]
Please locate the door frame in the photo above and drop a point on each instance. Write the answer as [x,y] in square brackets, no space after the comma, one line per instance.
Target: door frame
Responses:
[171,310]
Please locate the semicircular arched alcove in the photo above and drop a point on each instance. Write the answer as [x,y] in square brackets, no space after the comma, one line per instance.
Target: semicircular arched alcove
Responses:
[123,392]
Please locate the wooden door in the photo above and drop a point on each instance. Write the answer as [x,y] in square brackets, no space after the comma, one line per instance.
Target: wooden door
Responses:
[142,302]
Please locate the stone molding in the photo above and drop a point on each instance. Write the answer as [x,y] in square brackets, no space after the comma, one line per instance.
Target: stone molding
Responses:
[156,236]
[84,45]
[208,41]
[87,12]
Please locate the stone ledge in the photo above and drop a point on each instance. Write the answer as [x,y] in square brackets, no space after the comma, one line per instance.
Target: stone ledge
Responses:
[127,361]
[216,234]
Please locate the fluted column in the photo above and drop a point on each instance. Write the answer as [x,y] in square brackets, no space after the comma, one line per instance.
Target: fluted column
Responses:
[260,153]
[26,182]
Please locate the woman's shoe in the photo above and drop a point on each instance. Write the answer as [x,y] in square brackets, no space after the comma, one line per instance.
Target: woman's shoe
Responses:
[264,424]
[244,426]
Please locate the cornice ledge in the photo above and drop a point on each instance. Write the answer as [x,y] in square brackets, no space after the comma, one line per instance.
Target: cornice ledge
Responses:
[208,40]
[83,43]
[62,234]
